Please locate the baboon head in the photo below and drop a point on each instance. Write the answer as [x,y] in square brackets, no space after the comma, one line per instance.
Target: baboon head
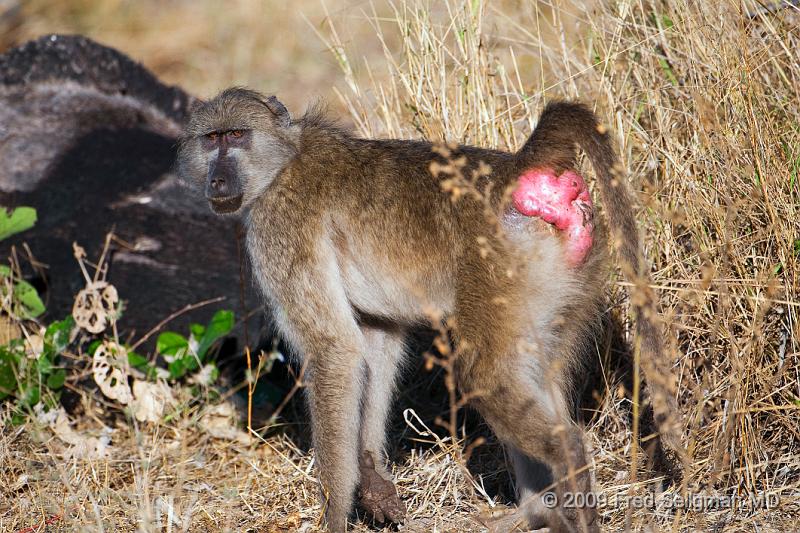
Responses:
[234,145]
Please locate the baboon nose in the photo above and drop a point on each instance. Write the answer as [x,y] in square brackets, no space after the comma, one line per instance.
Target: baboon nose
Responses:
[218,185]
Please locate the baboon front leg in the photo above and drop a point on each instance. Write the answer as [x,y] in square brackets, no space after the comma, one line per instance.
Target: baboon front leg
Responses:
[334,396]
[377,494]
[314,315]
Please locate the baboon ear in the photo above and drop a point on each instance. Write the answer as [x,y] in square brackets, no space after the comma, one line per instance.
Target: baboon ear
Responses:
[279,110]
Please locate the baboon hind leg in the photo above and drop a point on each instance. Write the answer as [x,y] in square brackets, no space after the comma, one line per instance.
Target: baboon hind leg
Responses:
[546,449]
[377,494]
[501,364]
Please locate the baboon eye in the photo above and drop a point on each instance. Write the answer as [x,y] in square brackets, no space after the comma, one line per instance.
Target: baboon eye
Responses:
[236,133]
[212,136]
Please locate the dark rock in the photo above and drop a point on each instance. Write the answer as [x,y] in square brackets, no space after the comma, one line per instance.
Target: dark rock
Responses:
[87,137]
[61,58]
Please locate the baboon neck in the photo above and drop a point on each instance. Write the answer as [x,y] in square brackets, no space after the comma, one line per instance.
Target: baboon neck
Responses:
[319,132]
[325,148]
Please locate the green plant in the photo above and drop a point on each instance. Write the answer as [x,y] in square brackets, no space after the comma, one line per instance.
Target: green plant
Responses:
[186,355]
[13,222]
[29,370]
[24,302]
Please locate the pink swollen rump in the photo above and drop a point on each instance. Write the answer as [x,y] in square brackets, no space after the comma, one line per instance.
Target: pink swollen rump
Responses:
[562,201]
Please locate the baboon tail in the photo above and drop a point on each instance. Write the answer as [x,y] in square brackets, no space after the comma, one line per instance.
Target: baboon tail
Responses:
[561,127]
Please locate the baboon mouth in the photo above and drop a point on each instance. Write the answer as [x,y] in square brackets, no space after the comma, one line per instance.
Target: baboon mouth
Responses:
[227,204]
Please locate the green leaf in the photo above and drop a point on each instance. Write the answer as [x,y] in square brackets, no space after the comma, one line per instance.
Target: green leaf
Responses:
[56,379]
[58,334]
[13,222]
[136,360]
[26,295]
[44,364]
[662,21]
[192,362]
[93,346]
[170,343]
[177,368]
[197,330]
[221,324]
[52,400]
[214,375]
[667,68]
[30,395]
[8,382]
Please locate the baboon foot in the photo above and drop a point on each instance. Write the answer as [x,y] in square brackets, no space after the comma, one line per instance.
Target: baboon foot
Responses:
[507,521]
[377,495]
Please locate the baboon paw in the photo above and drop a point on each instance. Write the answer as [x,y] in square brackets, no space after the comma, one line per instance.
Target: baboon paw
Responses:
[378,495]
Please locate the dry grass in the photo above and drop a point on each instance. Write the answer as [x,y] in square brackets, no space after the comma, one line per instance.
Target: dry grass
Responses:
[705,107]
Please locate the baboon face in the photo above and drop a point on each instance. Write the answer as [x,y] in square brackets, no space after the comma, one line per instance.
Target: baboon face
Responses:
[234,146]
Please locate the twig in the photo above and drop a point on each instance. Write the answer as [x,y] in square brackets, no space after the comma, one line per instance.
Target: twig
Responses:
[298,384]
[175,315]
[250,388]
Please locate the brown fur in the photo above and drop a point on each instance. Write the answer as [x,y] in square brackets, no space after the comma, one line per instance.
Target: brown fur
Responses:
[353,240]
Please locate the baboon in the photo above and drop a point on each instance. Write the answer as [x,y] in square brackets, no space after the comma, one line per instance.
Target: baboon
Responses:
[355,241]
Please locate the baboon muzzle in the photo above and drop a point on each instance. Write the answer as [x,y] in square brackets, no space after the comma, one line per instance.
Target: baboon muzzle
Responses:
[223,189]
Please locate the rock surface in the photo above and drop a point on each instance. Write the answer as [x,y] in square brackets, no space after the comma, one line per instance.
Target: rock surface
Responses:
[87,137]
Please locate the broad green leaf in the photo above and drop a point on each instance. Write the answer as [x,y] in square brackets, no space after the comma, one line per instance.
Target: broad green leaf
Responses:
[44,364]
[93,346]
[177,368]
[26,295]
[58,334]
[190,362]
[661,21]
[13,222]
[221,324]
[667,68]
[51,401]
[197,330]
[170,343]
[136,360]
[214,374]
[56,379]
[30,395]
